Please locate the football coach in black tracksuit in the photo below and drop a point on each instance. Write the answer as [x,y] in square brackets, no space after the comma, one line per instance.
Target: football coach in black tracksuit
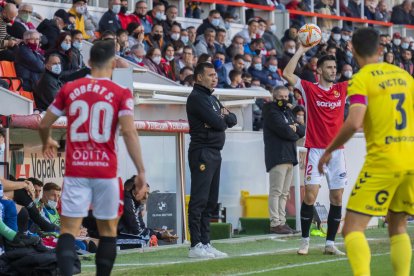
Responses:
[208,120]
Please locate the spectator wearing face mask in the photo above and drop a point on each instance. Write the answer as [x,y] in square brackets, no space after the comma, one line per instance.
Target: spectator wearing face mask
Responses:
[272,72]
[406,62]
[346,73]
[110,20]
[309,71]
[123,17]
[77,44]
[49,83]
[29,62]
[346,35]
[255,47]
[289,50]
[396,46]
[211,22]
[335,39]
[280,133]
[218,63]
[168,62]
[153,61]
[22,22]
[155,39]
[157,14]
[291,34]
[78,10]
[264,75]
[174,35]
[137,54]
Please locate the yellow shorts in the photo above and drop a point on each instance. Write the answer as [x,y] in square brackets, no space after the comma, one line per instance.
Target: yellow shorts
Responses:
[374,194]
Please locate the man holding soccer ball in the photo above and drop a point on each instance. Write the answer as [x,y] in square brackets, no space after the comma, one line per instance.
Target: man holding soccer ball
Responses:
[325,103]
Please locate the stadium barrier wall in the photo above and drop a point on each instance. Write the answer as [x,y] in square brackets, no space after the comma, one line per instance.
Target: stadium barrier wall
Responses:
[165,146]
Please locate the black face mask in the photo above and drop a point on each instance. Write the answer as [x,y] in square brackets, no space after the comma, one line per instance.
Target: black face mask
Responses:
[157,36]
[123,10]
[282,104]
[135,35]
[257,52]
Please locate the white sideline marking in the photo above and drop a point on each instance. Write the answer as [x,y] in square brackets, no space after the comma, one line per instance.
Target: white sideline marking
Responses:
[299,265]
[188,260]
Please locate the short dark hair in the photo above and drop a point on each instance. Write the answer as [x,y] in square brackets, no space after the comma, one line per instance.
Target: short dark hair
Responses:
[201,67]
[170,7]
[35,181]
[360,45]
[158,4]
[107,33]
[132,26]
[129,183]
[234,73]
[50,186]
[221,30]
[75,32]
[323,59]
[212,12]
[121,31]
[182,70]
[102,52]
[238,56]
[331,47]
[48,57]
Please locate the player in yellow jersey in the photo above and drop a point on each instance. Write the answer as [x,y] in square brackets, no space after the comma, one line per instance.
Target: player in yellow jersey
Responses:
[382,102]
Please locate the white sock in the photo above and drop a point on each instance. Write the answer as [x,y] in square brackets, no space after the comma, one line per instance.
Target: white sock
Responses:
[330,243]
[306,239]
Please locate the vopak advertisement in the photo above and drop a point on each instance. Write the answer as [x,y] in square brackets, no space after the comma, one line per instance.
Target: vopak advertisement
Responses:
[33,164]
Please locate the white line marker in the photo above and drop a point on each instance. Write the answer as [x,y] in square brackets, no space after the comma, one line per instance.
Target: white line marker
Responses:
[298,265]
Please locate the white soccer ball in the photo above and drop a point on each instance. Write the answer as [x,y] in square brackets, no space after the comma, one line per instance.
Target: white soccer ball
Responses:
[310,35]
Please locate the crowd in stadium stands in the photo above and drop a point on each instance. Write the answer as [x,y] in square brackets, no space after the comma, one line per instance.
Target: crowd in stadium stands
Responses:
[49,55]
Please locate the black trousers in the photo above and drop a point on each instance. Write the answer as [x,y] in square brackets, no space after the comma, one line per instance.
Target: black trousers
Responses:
[205,180]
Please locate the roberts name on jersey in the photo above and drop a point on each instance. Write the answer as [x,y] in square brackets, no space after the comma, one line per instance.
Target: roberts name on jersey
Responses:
[92,107]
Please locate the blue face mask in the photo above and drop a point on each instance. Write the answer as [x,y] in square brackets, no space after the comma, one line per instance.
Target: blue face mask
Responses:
[217,64]
[77,45]
[65,46]
[184,39]
[258,66]
[215,22]
[56,69]
[272,68]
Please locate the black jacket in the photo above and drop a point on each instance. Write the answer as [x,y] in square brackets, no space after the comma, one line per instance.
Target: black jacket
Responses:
[46,90]
[131,222]
[204,26]
[279,138]
[399,16]
[51,31]
[207,126]
[109,22]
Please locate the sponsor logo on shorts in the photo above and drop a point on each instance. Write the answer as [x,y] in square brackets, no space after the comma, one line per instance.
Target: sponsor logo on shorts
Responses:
[375,209]
[308,178]
[381,197]
[342,175]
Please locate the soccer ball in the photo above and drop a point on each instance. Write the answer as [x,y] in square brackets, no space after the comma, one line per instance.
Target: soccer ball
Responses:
[310,35]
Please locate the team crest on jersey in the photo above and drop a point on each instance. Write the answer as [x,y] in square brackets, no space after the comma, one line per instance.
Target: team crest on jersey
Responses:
[336,94]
